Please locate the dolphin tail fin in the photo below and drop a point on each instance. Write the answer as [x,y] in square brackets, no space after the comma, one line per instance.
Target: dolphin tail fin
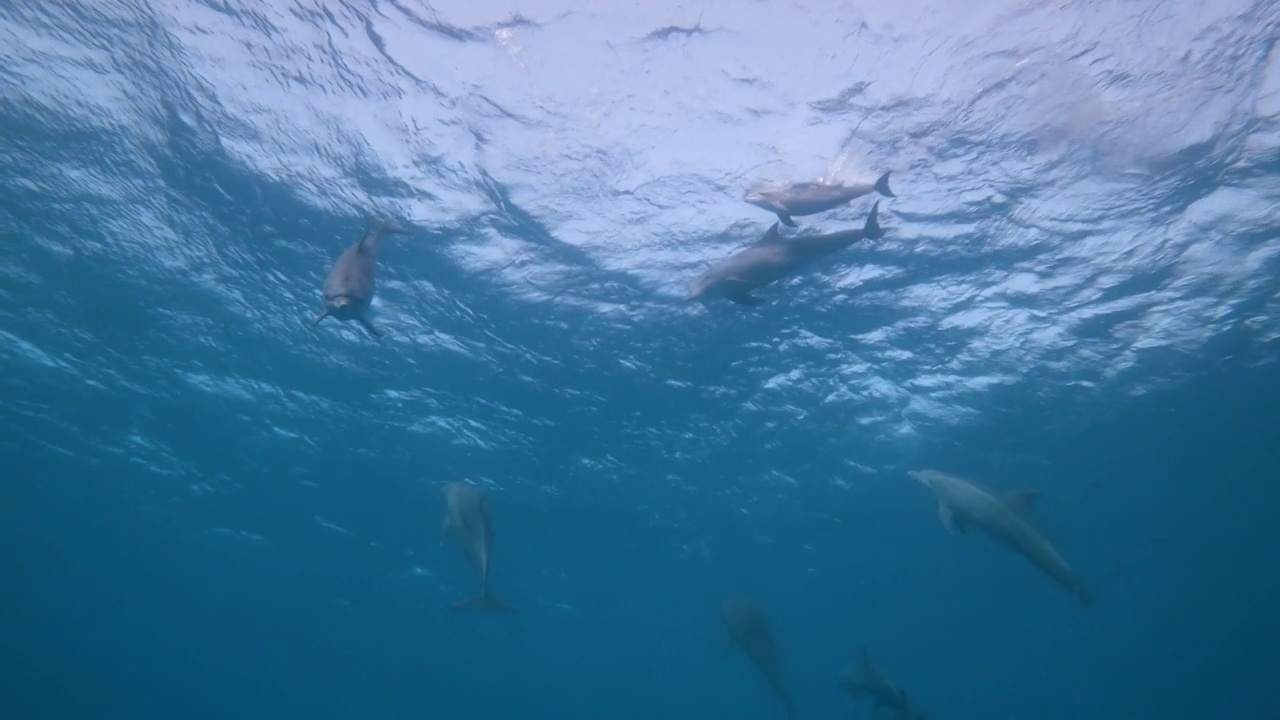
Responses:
[323,314]
[789,703]
[872,230]
[483,602]
[882,185]
[387,227]
[370,241]
[1083,596]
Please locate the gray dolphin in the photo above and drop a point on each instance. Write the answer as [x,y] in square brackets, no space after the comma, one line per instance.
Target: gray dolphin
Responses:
[468,518]
[809,198]
[864,679]
[1005,517]
[349,287]
[773,258]
[749,630]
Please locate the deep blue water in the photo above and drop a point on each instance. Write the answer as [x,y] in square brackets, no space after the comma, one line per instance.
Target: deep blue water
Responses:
[211,510]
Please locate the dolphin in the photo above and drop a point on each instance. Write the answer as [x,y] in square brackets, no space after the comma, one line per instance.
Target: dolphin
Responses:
[1005,517]
[864,679]
[468,518]
[348,289]
[809,198]
[749,630]
[773,258]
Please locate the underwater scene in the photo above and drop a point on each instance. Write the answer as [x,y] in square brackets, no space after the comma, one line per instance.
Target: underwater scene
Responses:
[481,359]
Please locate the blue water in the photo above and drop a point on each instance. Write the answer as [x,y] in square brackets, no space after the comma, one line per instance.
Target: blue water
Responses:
[210,510]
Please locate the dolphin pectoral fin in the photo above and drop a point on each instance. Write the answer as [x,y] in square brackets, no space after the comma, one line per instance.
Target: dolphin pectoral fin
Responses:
[949,519]
[373,329]
[323,314]
[483,602]
[786,219]
[882,185]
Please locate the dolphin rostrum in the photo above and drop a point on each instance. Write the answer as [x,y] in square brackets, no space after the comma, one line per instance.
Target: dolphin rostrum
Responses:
[749,630]
[809,198]
[773,258]
[348,289]
[864,680]
[468,519]
[1005,517]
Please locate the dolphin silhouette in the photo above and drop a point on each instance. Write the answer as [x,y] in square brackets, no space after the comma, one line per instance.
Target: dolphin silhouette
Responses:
[1005,518]
[865,680]
[773,258]
[348,289]
[809,198]
[750,631]
[468,519]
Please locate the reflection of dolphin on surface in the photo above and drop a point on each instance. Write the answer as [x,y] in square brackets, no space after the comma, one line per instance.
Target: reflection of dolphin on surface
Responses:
[773,258]
[750,631]
[1005,517]
[864,680]
[349,287]
[809,198]
[468,518]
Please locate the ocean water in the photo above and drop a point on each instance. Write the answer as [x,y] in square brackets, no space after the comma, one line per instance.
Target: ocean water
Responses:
[209,509]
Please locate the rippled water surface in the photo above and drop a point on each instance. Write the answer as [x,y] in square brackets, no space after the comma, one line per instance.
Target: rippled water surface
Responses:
[212,510]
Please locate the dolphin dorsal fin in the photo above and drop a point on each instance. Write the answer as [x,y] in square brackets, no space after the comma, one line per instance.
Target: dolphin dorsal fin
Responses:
[866,666]
[772,235]
[1022,500]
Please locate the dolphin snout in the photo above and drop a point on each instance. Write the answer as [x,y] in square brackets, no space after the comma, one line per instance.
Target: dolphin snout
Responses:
[698,289]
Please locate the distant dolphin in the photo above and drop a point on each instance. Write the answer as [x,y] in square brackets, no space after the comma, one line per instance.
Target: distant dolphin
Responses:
[1005,517]
[809,198]
[773,258]
[348,289]
[750,631]
[468,518]
[864,679]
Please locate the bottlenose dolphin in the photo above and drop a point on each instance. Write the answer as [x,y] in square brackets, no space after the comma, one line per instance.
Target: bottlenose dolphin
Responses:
[348,289]
[864,679]
[773,258]
[808,198]
[468,518]
[749,630]
[1005,517]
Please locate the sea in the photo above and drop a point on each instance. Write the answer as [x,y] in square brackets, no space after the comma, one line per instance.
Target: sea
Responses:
[214,507]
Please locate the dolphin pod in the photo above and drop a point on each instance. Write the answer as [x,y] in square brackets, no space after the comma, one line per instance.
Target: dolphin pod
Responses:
[864,679]
[773,258]
[749,630]
[468,519]
[348,288]
[1006,518]
[811,198]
